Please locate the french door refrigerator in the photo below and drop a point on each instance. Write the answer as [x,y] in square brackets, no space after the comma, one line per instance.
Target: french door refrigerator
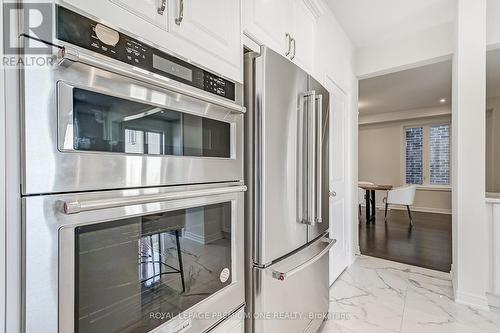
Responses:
[287,214]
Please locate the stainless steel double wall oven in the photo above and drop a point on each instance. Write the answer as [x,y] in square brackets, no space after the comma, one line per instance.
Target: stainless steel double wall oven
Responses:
[132,187]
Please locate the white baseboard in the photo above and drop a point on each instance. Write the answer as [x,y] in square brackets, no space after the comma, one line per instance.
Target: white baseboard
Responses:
[417,209]
[493,300]
[472,300]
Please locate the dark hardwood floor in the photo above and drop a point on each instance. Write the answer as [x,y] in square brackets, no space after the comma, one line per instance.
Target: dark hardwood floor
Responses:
[427,244]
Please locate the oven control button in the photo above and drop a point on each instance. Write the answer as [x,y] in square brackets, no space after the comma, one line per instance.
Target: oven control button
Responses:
[224,275]
[107,35]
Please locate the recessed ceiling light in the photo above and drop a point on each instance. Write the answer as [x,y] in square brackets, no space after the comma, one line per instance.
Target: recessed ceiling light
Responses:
[442,100]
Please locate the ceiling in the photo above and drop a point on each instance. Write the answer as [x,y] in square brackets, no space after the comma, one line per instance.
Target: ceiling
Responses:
[416,88]
[368,22]
[493,74]
[420,87]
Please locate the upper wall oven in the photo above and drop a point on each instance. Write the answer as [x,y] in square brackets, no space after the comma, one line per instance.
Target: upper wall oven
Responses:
[94,121]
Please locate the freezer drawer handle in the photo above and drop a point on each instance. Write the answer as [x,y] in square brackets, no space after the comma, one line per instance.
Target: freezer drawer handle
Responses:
[282,276]
[74,207]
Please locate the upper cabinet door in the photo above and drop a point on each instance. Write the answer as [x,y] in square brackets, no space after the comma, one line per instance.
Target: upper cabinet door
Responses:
[213,26]
[303,31]
[267,22]
[153,11]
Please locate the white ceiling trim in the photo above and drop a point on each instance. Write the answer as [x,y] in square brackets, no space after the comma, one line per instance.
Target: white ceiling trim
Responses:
[386,117]
[317,7]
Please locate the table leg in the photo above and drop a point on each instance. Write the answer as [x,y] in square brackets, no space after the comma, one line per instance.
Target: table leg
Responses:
[367,200]
[373,205]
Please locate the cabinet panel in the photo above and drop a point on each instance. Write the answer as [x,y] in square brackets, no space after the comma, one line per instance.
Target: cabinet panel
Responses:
[267,22]
[214,26]
[303,31]
[153,11]
[209,35]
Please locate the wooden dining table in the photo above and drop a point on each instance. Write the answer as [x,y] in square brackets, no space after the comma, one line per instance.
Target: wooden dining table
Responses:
[370,199]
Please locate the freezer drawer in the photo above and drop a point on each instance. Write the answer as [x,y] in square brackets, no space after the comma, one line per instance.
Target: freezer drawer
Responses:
[292,295]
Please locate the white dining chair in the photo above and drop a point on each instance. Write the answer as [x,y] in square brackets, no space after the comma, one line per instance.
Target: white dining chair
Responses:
[361,199]
[404,195]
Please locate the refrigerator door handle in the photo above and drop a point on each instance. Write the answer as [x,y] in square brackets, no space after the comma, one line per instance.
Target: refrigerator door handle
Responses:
[282,276]
[319,156]
[307,169]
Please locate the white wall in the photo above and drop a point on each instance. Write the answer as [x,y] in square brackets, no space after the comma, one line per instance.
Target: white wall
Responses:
[2,185]
[493,145]
[493,241]
[470,252]
[493,24]
[381,160]
[335,61]
[420,48]
[334,53]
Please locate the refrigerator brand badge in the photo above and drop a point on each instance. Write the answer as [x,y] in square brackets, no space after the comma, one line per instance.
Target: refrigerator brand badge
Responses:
[224,275]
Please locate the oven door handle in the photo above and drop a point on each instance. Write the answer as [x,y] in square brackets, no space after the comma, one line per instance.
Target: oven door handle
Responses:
[74,207]
[72,55]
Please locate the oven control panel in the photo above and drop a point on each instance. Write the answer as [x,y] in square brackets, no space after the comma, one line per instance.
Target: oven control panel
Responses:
[81,31]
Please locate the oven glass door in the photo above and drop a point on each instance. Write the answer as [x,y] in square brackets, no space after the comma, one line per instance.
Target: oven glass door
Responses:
[105,123]
[130,270]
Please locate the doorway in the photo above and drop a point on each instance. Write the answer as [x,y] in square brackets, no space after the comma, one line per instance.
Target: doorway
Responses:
[404,160]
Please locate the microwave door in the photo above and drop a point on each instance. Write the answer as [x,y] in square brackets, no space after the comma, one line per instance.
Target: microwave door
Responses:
[278,87]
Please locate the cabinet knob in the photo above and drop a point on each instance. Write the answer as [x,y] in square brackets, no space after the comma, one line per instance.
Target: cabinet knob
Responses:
[107,35]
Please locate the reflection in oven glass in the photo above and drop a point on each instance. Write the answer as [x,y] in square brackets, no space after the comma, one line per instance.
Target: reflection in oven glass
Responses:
[110,124]
[135,274]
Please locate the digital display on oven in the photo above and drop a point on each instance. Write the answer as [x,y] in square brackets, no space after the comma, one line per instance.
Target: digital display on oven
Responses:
[172,68]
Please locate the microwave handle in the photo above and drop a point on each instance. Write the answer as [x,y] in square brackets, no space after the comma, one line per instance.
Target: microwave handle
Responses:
[68,54]
[74,207]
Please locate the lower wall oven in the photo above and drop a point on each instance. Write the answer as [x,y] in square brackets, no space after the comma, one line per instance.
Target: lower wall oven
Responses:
[149,260]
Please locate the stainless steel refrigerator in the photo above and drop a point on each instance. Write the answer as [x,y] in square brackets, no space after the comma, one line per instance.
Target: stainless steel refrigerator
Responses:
[287,212]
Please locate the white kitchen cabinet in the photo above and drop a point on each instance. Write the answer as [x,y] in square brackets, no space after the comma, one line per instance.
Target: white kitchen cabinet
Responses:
[209,33]
[286,26]
[303,31]
[267,22]
[212,26]
[152,11]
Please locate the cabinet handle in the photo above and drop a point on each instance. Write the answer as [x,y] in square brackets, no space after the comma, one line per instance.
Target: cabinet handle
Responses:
[180,17]
[162,7]
[289,41]
[294,48]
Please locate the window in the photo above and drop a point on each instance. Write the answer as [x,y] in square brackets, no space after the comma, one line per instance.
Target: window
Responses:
[427,154]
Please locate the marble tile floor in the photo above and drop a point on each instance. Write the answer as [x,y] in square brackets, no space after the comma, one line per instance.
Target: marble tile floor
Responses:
[376,295]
